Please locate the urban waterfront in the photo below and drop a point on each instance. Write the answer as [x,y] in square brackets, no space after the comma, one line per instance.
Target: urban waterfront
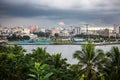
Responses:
[66,50]
[59,39]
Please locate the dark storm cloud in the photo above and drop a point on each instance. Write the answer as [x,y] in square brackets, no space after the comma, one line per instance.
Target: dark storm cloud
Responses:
[20,10]
[105,12]
[29,11]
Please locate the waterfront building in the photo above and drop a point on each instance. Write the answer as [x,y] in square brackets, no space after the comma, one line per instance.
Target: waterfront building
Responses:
[117,30]
[98,30]
[42,30]
[32,36]
[26,31]
[77,30]
[108,33]
[64,33]
[93,28]
[33,28]
[4,32]
[54,30]
[17,30]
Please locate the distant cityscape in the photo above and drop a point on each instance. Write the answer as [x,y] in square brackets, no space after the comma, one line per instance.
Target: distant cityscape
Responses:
[34,31]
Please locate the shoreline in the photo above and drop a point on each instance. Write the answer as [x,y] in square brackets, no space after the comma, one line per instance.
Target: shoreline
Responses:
[96,44]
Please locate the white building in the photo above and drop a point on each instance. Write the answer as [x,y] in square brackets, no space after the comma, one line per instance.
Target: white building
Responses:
[96,28]
[32,36]
[42,30]
[117,31]
[64,33]
[77,30]
[4,32]
[54,30]
[26,31]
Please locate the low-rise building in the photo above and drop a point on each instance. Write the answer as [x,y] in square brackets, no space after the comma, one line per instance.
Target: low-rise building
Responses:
[26,31]
[54,30]
[108,33]
[64,33]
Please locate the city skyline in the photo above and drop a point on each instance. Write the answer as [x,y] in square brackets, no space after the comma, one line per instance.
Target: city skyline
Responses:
[50,13]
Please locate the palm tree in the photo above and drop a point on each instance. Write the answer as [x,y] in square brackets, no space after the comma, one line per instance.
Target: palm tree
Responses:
[41,55]
[59,67]
[13,65]
[14,49]
[113,68]
[75,70]
[58,61]
[90,59]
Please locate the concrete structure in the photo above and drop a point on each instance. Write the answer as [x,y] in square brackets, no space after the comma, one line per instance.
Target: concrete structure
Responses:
[54,30]
[64,33]
[93,28]
[77,30]
[33,28]
[108,33]
[98,30]
[42,30]
[32,36]
[117,31]
[17,30]
[26,31]
[4,32]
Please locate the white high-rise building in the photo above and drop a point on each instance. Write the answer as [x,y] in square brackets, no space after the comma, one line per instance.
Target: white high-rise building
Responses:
[77,30]
[118,29]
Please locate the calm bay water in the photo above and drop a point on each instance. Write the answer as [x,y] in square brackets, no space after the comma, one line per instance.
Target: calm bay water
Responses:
[66,50]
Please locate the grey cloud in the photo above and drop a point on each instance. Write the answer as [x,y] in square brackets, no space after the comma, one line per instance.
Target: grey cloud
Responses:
[30,11]
[96,12]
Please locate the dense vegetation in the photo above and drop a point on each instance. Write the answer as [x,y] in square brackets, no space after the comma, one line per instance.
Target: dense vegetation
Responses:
[42,34]
[15,37]
[93,64]
[97,38]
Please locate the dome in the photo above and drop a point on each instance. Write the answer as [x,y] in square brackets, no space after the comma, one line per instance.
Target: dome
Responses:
[33,27]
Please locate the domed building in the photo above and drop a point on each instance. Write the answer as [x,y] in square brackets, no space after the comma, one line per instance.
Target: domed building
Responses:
[33,28]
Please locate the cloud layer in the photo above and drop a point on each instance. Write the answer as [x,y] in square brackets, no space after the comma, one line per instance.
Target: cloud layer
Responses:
[89,11]
[69,4]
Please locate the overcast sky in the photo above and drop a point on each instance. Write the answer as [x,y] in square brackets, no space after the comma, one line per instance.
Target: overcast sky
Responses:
[49,13]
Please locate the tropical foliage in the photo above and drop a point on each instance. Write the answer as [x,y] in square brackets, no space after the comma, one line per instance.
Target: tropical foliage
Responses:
[91,60]
[93,64]
[39,71]
[113,69]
